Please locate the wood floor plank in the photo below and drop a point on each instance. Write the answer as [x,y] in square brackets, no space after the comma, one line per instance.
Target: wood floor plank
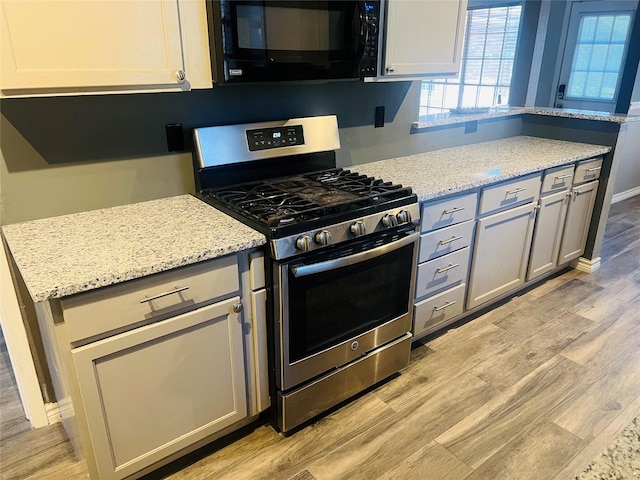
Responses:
[482,434]
[509,366]
[417,421]
[537,312]
[536,453]
[578,463]
[608,305]
[432,461]
[605,343]
[277,456]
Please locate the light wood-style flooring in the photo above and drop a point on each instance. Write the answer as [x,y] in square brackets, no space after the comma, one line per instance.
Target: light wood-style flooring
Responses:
[534,389]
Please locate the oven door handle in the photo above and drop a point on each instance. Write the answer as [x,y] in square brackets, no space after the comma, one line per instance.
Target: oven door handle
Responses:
[304,270]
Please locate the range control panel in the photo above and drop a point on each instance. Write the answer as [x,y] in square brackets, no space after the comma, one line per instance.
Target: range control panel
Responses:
[275,137]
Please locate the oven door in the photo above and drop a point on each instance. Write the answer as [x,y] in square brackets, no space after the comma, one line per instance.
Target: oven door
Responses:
[292,40]
[332,308]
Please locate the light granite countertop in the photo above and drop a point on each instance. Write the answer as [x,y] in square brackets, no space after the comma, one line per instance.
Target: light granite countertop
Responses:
[64,255]
[452,170]
[69,254]
[440,119]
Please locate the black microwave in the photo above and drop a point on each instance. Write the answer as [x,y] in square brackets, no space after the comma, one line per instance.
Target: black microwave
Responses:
[293,40]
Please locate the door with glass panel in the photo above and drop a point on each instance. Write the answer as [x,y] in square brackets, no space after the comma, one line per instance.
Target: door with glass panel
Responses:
[596,47]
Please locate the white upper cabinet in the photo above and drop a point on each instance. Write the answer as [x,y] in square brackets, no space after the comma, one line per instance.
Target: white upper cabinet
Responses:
[422,38]
[78,46]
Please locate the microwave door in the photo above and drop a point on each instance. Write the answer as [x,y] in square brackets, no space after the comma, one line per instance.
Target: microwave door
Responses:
[293,40]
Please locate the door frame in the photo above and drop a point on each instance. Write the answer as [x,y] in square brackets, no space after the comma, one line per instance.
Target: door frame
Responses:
[18,348]
[563,45]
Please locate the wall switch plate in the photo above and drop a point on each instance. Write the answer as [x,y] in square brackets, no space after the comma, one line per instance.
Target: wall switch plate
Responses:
[379,121]
[175,137]
[470,127]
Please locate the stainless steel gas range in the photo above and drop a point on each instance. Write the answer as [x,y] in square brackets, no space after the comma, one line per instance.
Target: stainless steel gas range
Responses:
[341,261]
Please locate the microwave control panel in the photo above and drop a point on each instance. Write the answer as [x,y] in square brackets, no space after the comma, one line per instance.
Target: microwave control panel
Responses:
[275,137]
[369,61]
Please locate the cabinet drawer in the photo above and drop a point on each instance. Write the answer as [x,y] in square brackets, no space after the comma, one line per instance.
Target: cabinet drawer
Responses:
[437,310]
[557,179]
[442,273]
[120,306]
[446,240]
[587,170]
[510,194]
[442,213]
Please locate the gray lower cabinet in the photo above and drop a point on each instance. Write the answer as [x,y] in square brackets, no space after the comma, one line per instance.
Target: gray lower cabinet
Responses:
[154,390]
[447,227]
[578,220]
[552,211]
[150,369]
[501,253]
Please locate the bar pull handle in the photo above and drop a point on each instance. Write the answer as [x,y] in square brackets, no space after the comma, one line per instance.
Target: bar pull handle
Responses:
[593,169]
[164,294]
[517,190]
[442,307]
[562,177]
[453,210]
[449,240]
[448,267]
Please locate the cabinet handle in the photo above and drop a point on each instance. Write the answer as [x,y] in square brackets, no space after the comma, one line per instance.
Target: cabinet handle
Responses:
[562,177]
[442,307]
[593,169]
[448,267]
[453,210]
[237,307]
[160,295]
[180,76]
[517,190]
[452,239]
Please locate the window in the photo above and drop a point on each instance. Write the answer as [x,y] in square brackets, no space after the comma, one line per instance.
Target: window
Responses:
[488,55]
[597,58]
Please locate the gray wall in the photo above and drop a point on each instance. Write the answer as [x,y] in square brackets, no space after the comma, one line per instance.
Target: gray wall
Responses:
[68,154]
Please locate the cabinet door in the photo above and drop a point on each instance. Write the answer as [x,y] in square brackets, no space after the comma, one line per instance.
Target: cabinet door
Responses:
[424,37]
[552,211]
[78,44]
[501,252]
[576,227]
[154,390]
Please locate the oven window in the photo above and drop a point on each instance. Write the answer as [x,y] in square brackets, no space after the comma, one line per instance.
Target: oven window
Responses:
[330,307]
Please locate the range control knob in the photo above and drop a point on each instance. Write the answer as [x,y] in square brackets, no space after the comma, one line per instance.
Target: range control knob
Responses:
[303,243]
[358,228]
[389,220]
[323,237]
[403,216]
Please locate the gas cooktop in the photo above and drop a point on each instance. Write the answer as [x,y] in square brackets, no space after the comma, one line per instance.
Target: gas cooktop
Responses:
[285,205]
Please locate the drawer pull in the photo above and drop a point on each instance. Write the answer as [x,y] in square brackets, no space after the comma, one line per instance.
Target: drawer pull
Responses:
[517,190]
[452,239]
[442,307]
[448,267]
[592,169]
[453,210]
[164,294]
[562,177]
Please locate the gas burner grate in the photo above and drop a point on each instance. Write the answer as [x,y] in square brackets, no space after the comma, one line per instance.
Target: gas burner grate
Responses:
[284,201]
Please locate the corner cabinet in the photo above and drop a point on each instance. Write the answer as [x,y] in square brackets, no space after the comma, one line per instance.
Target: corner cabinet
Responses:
[76,46]
[150,369]
[421,39]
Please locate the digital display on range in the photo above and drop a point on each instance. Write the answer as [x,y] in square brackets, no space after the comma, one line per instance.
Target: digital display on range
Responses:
[275,137]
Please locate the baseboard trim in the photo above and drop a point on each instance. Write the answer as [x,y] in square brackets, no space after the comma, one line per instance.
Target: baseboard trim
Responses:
[53,412]
[587,265]
[618,197]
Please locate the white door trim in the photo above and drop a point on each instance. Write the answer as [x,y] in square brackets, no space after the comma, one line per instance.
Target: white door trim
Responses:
[19,350]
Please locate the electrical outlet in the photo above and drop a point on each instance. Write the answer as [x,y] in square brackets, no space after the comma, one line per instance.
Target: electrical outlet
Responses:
[379,121]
